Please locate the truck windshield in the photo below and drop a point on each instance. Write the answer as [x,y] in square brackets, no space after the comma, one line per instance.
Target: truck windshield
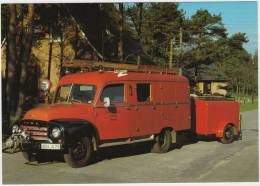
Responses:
[75,93]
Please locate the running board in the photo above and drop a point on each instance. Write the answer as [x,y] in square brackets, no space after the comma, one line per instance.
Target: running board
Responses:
[127,141]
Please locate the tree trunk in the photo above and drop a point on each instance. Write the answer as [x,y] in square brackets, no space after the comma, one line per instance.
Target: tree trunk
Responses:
[5,115]
[19,52]
[27,43]
[61,52]
[50,53]
[121,25]
[61,26]
[11,63]
[75,43]
[244,88]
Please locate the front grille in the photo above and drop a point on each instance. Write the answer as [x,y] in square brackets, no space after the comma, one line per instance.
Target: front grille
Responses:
[38,130]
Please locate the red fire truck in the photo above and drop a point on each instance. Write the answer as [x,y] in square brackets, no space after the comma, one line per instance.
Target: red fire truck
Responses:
[92,110]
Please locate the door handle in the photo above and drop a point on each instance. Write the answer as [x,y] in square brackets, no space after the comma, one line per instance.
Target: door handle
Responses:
[128,108]
[154,108]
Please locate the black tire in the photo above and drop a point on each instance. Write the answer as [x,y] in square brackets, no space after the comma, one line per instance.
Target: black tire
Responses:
[228,135]
[79,153]
[29,156]
[163,142]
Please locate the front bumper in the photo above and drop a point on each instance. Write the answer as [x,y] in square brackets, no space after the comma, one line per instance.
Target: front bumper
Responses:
[42,145]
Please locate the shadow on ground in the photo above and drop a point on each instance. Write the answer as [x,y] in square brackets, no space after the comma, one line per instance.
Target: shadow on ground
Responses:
[108,153]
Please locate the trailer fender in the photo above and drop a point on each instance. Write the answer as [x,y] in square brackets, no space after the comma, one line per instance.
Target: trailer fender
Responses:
[220,129]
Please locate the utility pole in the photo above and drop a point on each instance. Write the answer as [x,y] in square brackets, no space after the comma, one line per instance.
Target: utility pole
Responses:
[139,31]
[171,53]
[181,39]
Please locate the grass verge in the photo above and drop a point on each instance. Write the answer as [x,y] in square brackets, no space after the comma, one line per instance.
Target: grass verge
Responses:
[248,106]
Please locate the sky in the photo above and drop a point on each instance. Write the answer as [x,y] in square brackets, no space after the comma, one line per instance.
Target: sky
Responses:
[236,16]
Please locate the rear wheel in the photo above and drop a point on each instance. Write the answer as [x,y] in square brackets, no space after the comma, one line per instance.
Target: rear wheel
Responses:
[79,153]
[163,142]
[228,135]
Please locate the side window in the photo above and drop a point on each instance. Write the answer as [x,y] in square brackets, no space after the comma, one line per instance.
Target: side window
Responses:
[143,92]
[115,92]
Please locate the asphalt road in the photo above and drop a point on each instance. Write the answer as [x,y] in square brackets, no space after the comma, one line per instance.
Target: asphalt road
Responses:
[204,161]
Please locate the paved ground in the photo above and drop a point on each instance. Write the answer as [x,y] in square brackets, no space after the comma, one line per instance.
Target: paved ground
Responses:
[204,161]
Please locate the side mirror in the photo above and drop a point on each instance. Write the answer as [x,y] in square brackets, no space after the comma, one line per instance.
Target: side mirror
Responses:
[106,102]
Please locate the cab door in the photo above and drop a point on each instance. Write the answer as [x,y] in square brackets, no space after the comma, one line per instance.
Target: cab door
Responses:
[113,121]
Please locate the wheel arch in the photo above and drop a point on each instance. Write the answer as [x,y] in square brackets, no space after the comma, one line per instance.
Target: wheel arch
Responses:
[167,128]
[74,128]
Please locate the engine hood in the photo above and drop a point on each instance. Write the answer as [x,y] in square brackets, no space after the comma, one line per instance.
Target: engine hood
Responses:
[59,111]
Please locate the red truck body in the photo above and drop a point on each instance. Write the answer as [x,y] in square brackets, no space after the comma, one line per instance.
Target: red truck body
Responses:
[168,105]
[97,109]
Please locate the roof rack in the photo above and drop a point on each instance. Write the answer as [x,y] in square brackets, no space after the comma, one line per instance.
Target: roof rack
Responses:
[90,65]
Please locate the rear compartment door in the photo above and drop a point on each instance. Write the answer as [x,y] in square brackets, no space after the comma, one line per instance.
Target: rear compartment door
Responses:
[143,109]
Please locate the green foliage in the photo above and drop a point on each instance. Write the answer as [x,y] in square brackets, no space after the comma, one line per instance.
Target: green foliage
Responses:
[248,107]
[206,26]
[161,24]
[200,42]
[207,34]
[236,66]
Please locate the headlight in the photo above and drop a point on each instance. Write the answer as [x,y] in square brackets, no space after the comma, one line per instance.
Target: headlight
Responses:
[55,132]
[15,129]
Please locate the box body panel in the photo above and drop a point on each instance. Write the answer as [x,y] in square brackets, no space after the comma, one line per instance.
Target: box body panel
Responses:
[211,117]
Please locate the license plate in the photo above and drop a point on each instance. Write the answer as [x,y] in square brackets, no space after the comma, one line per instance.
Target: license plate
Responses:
[50,146]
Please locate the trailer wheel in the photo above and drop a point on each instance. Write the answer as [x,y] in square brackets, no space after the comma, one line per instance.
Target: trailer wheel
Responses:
[79,153]
[228,135]
[163,142]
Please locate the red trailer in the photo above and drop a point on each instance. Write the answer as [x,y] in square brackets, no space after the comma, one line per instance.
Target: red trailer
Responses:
[218,117]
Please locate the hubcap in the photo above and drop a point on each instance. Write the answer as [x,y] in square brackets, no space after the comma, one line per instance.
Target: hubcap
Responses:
[162,139]
[79,151]
[228,133]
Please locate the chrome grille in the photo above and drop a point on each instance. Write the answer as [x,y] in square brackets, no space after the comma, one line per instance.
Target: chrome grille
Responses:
[38,130]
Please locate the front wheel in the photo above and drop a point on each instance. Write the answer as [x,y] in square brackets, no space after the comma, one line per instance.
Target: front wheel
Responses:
[163,142]
[29,156]
[79,153]
[228,135]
